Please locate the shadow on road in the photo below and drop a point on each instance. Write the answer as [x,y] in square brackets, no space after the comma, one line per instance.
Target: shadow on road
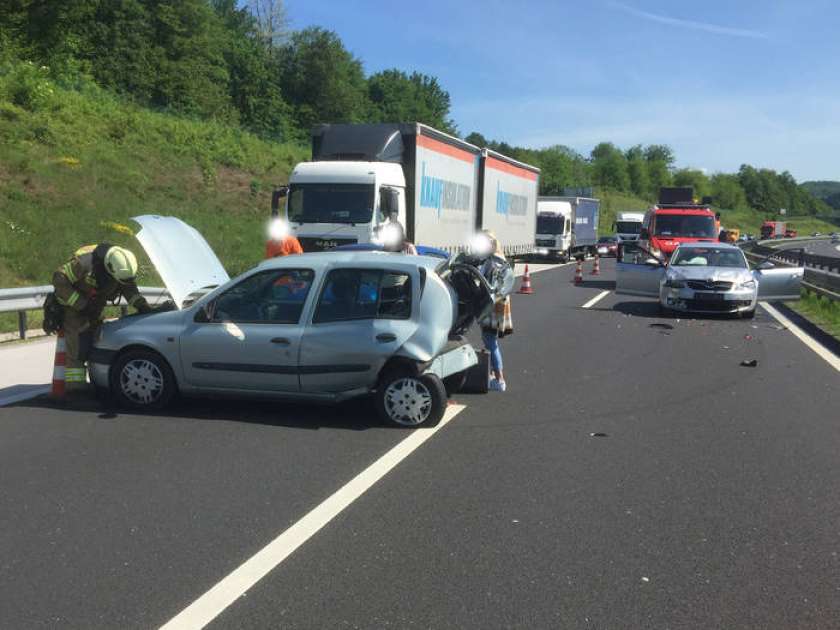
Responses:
[354,415]
[606,285]
[650,309]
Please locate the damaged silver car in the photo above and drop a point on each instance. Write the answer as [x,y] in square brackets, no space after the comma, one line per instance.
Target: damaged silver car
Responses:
[320,327]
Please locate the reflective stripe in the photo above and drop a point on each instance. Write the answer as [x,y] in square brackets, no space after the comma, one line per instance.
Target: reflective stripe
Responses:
[74,297]
[91,280]
[68,271]
[87,249]
[75,375]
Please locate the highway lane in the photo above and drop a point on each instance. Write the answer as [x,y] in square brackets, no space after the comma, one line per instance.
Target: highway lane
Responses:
[715,482]
[823,248]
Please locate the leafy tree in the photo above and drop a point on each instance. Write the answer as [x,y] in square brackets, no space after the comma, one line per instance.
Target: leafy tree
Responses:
[477,139]
[609,167]
[660,159]
[322,80]
[696,179]
[637,169]
[398,97]
[727,192]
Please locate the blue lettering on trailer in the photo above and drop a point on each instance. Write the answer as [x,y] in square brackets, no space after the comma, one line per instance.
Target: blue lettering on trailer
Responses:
[510,204]
[442,194]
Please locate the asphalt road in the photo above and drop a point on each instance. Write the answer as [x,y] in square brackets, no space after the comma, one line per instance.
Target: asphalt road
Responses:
[712,500]
[823,248]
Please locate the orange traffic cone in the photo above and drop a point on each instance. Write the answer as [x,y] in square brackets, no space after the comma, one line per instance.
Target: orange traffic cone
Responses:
[596,268]
[58,389]
[579,271]
[526,283]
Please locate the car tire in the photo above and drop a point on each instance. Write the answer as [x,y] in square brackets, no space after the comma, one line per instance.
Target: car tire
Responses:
[454,383]
[409,401]
[142,380]
[748,314]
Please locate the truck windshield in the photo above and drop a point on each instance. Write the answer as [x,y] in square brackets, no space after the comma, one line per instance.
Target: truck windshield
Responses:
[547,224]
[628,227]
[697,225]
[331,203]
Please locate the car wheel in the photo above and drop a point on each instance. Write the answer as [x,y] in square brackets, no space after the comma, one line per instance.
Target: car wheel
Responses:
[748,314]
[454,383]
[410,401]
[142,380]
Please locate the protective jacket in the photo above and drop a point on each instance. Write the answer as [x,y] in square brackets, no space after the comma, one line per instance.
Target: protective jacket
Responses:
[283,247]
[85,286]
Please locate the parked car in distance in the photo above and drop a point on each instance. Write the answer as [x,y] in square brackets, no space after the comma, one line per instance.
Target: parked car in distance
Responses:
[321,327]
[705,278]
[607,246]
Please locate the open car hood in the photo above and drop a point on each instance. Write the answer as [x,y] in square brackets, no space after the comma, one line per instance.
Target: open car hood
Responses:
[181,256]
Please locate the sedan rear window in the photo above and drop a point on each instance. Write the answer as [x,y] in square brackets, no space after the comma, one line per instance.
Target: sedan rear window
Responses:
[352,294]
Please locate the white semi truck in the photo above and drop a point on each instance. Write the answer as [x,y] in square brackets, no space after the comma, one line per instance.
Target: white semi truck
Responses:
[628,225]
[566,226]
[441,188]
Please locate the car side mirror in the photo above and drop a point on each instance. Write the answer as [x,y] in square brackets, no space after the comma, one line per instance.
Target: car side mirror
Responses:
[765,265]
[644,234]
[277,194]
[205,313]
[389,201]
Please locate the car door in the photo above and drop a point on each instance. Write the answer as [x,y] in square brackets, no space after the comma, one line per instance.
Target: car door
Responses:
[248,338]
[634,275]
[361,318]
[779,283]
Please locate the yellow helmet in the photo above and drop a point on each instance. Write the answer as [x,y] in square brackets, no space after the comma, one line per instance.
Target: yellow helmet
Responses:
[121,263]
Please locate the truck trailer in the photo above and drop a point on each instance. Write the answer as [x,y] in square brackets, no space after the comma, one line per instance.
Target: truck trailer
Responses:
[441,188]
[567,226]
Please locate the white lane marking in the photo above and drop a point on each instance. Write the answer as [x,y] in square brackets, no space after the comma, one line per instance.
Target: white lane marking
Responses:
[804,337]
[596,299]
[24,395]
[207,607]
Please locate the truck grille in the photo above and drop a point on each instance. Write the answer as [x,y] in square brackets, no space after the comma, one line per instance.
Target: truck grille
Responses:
[546,242]
[709,285]
[321,244]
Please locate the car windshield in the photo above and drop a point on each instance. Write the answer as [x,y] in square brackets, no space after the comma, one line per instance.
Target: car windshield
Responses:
[331,203]
[697,225]
[547,224]
[628,227]
[607,239]
[708,257]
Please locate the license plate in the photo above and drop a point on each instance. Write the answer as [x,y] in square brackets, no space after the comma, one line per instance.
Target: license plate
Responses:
[709,297]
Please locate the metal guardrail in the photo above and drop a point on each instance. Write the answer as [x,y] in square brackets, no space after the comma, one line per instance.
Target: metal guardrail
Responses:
[32,298]
[822,273]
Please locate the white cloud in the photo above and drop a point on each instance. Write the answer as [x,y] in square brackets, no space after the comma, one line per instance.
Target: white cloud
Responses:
[692,24]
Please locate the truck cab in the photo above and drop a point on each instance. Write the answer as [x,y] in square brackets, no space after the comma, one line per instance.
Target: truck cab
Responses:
[628,225]
[333,203]
[667,225]
[554,228]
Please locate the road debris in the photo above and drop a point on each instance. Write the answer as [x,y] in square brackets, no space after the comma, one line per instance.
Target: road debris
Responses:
[598,434]
[660,325]
[749,362]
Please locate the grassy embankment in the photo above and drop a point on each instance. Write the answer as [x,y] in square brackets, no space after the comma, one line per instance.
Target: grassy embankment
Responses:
[76,165]
[821,311]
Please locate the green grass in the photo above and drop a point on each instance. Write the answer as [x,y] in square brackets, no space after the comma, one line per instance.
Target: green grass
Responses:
[612,203]
[821,311]
[76,164]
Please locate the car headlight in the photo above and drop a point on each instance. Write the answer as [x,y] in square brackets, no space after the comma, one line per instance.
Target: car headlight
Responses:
[675,283]
[749,284]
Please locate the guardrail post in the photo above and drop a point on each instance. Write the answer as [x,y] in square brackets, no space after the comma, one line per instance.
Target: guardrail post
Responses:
[22,324]
[123,311]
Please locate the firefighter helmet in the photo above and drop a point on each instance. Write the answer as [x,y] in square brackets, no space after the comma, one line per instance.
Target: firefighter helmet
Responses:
[121,263]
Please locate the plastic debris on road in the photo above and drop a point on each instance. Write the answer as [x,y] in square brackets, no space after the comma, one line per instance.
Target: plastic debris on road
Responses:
[749,362]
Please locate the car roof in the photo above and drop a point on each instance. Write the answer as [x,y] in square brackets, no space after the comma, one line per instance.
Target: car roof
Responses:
[322,260]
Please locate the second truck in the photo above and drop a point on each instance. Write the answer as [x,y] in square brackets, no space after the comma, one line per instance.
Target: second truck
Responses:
[441,188]
[567,226]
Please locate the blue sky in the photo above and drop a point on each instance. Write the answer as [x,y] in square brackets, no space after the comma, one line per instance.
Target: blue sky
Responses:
[723,83]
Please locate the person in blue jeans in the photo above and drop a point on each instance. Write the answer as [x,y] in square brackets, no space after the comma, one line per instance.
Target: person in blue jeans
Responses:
[499,322]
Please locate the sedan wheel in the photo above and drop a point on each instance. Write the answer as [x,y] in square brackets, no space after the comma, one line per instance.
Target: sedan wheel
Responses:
[142,380]
[411,401]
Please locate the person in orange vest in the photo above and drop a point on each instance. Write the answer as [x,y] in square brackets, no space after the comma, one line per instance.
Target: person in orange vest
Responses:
[281,242]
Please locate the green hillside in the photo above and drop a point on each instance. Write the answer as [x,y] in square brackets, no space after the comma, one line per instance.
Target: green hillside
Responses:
[828,191]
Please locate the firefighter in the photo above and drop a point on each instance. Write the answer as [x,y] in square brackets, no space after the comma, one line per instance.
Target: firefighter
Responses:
[95,275]
[280,241]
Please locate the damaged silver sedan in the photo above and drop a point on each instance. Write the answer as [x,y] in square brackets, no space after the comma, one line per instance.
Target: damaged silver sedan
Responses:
[321,327]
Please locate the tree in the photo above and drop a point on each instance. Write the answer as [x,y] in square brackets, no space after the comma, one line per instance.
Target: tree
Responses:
[637,169]
[477,139]
[696,179]
[322,80]
[727,192]
[609,167]
[271,21]
[398,97]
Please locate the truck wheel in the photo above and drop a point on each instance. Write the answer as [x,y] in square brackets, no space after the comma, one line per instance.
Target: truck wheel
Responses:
[142,380]
[410,400]
[454,383]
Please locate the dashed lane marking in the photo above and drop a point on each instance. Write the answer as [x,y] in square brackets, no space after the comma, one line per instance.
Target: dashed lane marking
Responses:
[596,299]
[804,337]
[207,607]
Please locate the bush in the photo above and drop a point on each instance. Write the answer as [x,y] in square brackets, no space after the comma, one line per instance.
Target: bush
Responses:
[28,86]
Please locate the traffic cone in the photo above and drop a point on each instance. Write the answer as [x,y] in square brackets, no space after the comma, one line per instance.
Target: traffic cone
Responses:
[58,389]
[579,271]
[526,283]
[596,268]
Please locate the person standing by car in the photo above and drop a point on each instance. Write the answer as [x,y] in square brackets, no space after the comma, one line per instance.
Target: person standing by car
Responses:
[83,286]
[281,242]
[499,322]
